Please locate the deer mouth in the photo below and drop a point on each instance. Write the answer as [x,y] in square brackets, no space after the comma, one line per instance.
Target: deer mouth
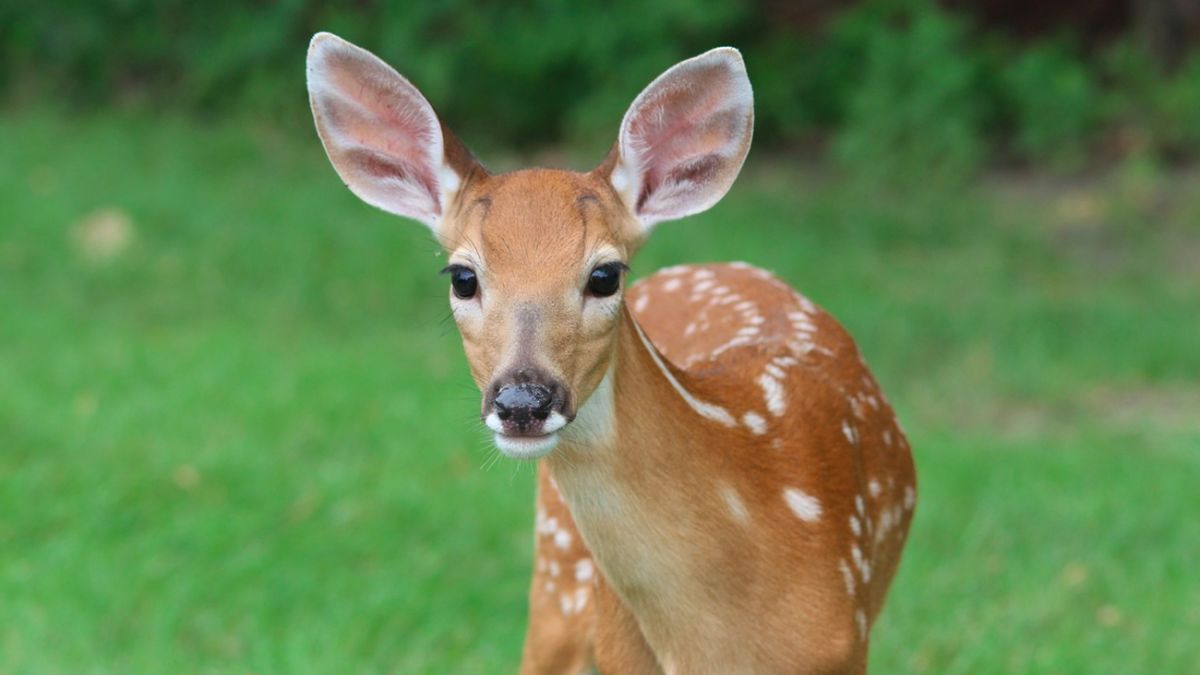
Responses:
[526,447]
[527,442]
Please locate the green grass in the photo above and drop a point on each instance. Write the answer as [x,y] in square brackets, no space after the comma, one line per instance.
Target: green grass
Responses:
[245,440]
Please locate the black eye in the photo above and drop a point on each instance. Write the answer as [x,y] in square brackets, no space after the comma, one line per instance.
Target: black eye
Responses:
[605,279]
[463,281]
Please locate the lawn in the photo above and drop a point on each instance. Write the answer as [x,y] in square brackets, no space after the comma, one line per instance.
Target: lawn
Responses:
[237,432]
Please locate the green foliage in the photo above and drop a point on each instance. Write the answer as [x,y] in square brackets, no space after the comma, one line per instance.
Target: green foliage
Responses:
[1178,103]
[1054,103]
[520,73]
[1154,111]
[915,110]
[906,89]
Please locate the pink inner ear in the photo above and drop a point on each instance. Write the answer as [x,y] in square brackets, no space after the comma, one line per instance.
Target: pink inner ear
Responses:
[682,134]
[393,129]
[389,167]
[662,132]
[380,132]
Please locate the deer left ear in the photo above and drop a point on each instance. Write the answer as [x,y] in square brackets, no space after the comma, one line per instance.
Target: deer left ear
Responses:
[381,135]
[684,139]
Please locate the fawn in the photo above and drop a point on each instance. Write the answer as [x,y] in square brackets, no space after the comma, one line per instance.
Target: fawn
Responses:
[723,487]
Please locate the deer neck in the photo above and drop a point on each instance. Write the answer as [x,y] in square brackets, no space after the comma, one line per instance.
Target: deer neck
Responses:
[633,468]
[640,419]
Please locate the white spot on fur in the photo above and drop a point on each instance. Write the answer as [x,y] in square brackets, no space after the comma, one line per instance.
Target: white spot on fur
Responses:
[640,304]
[584,570]
[860,618]
[805,506]
[848,430]
[910,497]
[672,285]
[703,273]
[773,392]
[855,525]
[555,570]
[735,342]
[885,524]
[801,347]
[755,422]
[864,567]
[737,508]
[847,577]
[562,539]
[874,488]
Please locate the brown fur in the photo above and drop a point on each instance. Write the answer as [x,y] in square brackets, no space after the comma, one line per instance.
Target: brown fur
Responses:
[771,588]
[681,585]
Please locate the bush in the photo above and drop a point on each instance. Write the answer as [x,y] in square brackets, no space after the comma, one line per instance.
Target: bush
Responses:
[1053,103]
[1154,112]
[916,110]
[514,72]
[904,88]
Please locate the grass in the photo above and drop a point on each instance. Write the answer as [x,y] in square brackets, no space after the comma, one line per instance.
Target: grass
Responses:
[237,433]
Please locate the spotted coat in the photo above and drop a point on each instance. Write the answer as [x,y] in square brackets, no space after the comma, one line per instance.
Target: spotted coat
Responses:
[813,485]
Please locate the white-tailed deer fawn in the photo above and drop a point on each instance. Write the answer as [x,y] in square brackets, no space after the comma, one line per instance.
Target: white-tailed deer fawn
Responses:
[723,487]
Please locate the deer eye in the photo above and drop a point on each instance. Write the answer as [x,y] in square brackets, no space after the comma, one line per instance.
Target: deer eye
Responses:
[605,279]
[462,280]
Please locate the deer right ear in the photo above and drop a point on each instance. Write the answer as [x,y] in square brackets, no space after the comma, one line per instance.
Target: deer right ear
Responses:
[684,139]
[380,133]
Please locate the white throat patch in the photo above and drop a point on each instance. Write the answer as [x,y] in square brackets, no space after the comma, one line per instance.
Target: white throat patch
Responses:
[595,424]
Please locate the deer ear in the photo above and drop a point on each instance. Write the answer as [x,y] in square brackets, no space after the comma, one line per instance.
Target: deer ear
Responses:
[684,139]
[380,133]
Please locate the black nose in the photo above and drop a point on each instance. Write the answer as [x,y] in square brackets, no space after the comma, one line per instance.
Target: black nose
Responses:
[521,404]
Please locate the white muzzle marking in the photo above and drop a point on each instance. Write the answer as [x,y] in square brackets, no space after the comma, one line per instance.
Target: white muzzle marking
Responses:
[526,447]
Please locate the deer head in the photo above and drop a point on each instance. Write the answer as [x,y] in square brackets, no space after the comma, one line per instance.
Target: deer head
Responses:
[537,258]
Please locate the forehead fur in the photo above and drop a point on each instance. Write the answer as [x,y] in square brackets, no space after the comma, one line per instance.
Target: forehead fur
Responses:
[543,217]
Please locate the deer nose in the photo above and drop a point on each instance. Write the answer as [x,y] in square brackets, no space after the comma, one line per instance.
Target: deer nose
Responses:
[521,404]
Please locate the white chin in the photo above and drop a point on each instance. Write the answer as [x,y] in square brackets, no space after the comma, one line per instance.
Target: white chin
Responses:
[524,447]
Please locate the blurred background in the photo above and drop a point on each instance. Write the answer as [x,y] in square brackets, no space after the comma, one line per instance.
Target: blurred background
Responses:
[236,428]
